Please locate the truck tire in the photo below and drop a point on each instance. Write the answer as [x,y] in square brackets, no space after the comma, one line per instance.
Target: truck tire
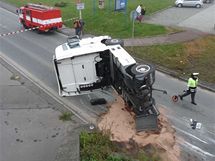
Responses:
[114,42]
[140,69]
[98,101]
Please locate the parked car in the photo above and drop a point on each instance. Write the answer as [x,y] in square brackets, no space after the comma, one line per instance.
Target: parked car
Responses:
[189,3]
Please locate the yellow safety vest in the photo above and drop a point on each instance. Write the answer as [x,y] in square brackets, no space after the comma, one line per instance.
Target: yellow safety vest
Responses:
[192,83]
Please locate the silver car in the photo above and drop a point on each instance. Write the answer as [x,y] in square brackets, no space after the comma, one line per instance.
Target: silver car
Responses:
[189,3]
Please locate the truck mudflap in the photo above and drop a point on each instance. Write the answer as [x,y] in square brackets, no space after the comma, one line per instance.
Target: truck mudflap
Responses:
[147,122]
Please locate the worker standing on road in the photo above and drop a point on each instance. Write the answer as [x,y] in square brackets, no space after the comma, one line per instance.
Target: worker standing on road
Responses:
[192,86]
[77,27]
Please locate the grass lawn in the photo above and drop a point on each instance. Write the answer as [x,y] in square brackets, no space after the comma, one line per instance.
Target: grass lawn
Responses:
[184,58]
[107,21]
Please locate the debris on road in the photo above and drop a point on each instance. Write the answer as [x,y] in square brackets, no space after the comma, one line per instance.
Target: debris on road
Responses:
[121,125]
[195,124]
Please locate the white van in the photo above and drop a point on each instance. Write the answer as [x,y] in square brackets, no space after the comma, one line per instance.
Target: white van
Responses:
[189,3]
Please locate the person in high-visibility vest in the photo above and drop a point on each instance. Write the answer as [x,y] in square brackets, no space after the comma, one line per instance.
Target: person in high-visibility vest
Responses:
[192,86]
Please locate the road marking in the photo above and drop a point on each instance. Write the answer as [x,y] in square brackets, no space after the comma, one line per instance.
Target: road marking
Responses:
[191,135]
[211,132]
[197,149]
[212,140]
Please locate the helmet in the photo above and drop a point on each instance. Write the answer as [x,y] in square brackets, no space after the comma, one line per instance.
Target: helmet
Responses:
[195,74]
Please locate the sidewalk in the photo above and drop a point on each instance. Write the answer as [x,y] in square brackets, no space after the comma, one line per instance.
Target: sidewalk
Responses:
[29,122]
[183,36]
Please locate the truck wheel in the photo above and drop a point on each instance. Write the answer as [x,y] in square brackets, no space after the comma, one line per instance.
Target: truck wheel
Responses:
[114,42]
[98,101]
[140,69]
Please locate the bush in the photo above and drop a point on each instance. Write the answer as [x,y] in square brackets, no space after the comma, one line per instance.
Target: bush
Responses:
[66,116]
[117,158]
[60,4]
[95,146]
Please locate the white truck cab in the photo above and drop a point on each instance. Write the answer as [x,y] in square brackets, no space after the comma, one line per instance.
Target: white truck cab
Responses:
[85,65]
[76,64]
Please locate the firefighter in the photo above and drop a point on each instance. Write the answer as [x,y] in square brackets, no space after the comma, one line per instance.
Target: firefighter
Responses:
[77,26]
[192,86]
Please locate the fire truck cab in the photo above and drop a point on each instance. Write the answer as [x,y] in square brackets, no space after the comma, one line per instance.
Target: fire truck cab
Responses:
[43,18]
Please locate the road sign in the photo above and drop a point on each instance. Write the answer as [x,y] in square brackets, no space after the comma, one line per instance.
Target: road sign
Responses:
[80,6]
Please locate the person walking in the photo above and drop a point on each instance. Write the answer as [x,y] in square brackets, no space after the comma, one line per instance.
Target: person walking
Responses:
[192,87]
[143,11]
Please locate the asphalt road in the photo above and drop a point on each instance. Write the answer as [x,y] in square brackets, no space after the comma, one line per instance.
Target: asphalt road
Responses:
[32,53]
[202,19]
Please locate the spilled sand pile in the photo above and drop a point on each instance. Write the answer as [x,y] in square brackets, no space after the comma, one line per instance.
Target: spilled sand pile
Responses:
[121,125]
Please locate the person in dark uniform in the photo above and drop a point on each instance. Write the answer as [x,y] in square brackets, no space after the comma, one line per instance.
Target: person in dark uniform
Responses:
[77,27]
[192,87]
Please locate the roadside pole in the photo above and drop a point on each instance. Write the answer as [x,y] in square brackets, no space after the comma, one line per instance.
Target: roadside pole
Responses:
[80,6]
[133,16]
[133,28]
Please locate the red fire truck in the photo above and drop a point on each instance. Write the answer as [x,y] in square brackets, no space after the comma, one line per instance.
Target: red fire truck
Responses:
[44,18]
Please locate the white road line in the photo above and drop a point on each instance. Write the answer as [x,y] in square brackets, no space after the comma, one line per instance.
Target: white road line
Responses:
[212,140]
[197,149]
[191,135]
[211,132]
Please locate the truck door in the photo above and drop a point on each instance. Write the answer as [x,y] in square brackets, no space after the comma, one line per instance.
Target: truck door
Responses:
[28,15]
[84,69]
[66,75]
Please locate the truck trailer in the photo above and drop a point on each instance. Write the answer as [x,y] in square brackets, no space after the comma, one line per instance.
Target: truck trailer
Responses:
[86,65]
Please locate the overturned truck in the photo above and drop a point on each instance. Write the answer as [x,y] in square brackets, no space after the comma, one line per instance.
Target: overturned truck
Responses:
[85,65]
